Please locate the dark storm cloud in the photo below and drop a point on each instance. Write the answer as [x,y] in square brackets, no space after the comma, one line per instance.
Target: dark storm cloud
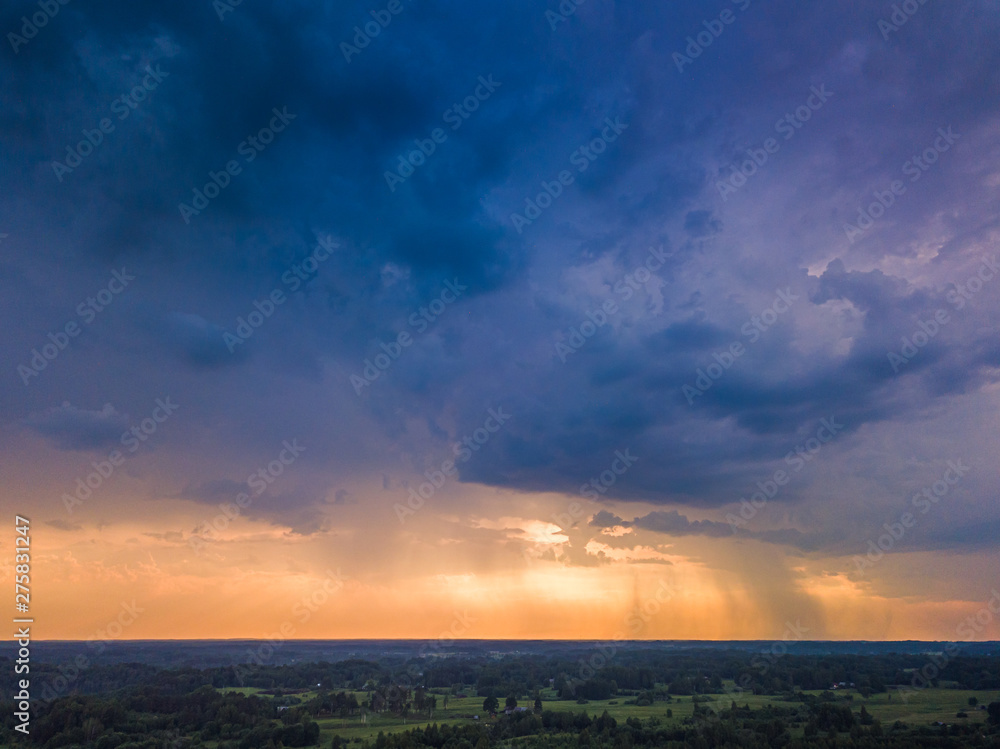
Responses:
[298,508]
[71,428]
[672,523]
[701,223]
[351,124]
[323,175]
[63,525]
[776,394]
[214,491]
[197,341]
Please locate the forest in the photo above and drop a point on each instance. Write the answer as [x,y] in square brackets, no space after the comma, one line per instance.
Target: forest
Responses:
[630,697]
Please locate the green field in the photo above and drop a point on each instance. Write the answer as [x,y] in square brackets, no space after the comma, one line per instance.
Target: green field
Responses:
[922,708]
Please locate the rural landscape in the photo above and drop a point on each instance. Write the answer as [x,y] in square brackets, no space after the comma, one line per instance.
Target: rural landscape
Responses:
[533,374]
[506,694]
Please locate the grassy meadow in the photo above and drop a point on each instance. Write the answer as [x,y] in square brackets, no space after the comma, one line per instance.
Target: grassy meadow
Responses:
[920,708]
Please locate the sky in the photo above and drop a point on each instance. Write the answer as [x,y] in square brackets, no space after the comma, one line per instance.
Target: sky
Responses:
[524,320]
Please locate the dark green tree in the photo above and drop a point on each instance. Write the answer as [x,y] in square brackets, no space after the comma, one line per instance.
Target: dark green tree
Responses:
[491,704]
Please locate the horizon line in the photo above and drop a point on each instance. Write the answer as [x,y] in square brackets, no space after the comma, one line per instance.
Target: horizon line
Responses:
[481,640]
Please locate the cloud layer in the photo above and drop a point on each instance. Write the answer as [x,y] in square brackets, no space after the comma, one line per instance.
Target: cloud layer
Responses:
[512,210]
